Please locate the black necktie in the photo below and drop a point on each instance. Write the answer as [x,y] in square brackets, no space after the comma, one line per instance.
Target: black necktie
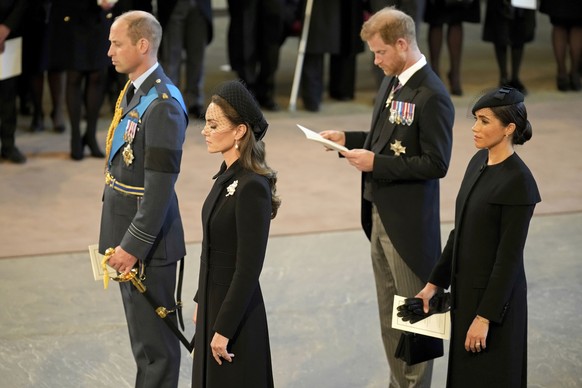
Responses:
[129,93]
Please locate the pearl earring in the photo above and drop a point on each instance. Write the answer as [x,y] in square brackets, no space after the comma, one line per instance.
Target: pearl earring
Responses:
[236,144]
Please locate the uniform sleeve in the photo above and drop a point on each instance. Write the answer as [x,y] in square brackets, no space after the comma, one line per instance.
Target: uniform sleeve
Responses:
[165,128]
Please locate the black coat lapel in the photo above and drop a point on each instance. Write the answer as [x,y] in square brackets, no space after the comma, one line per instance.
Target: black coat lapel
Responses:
[378,109]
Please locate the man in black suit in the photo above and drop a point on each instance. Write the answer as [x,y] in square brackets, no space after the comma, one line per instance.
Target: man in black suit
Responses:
[140,218]
[187,26]
[402,157]
[255,34]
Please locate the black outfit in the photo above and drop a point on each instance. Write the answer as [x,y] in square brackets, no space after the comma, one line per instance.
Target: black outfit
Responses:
[483,263]
[255,34]
[507,25]
[11,15]
[35,62]
[566,19]
[230,302]
[563,12]
[79,37]
[187,26]
[334,29]
[438,13]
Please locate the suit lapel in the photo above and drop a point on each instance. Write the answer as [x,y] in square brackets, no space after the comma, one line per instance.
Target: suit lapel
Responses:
[378,109]
[218,189]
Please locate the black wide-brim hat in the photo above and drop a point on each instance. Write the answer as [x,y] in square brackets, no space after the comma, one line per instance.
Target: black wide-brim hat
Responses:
[498,97]
[242,100]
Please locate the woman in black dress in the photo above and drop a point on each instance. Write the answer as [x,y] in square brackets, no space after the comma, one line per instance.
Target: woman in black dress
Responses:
[482,261]
[452,13]
[566,19]
[79,40]
[510,28]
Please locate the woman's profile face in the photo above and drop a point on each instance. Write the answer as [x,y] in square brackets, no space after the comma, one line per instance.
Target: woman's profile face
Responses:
[488,131]
[218,131]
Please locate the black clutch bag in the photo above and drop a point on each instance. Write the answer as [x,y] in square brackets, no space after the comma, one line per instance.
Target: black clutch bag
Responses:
[414,348]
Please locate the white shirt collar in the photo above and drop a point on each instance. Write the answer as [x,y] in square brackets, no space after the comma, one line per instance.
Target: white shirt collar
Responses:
[140,80]
[408,73]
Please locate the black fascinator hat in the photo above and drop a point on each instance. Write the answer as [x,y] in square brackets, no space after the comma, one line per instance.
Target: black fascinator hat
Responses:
[498,97]
[241,99]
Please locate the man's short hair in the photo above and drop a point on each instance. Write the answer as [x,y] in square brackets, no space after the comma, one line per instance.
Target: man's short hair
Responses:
[391,24]
[141,24]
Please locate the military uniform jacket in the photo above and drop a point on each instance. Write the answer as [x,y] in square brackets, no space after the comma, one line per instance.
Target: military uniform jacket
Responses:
[149,226]
[483,263]
[405,187]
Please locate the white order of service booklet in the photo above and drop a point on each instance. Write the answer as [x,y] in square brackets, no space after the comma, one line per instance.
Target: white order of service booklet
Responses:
[312,135]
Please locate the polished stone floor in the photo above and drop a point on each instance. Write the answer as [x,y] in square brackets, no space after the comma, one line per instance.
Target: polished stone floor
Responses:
[61,329]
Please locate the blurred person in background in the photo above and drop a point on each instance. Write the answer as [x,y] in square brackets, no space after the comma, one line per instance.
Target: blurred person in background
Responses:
[453,13]
[566,19]
[509,29]
[78,44]
[12,13]
[187,26]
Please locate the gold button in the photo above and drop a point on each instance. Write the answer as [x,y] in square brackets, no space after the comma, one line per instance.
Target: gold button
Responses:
[67,18]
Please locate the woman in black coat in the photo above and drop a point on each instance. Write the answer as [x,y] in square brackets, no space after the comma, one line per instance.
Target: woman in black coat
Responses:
[232,341]
[79,40]
[566,19]
[453,14]
[509,29]
[483,258]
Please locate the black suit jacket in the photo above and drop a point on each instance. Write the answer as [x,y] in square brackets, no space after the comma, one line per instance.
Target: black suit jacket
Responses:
[406,187]
[165,8]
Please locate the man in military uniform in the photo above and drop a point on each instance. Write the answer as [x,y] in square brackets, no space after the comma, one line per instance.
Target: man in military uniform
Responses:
[141,219]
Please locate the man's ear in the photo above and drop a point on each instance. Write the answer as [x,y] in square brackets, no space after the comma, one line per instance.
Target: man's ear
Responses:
[143,45]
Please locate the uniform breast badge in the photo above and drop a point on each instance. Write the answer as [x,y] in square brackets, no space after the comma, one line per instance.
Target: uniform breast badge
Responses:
[128,155]
[128,136]
[398,148]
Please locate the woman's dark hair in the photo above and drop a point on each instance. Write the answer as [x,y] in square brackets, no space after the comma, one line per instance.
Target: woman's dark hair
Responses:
[252,152]
[517,114]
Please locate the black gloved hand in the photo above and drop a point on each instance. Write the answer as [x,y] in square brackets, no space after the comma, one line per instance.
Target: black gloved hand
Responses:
[412,310]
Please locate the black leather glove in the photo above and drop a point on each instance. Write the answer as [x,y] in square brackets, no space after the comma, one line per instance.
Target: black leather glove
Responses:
[412,309]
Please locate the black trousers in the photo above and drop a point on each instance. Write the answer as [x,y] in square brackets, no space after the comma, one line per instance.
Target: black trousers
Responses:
[254,40]
[8,113]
